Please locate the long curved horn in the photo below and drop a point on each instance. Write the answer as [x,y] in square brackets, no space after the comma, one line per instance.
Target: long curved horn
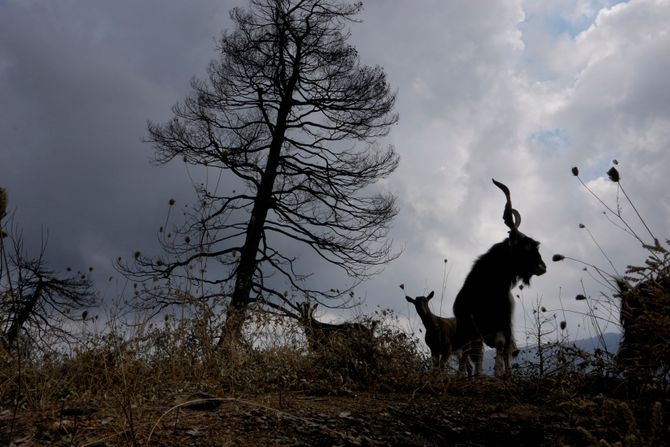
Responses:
[511,217]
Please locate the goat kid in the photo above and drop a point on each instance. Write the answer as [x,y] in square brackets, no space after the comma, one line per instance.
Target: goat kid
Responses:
[320,336]
[442,337]
[484,305]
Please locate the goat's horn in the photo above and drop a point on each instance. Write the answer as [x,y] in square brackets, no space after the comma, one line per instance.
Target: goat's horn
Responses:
[511,217]
[517,218]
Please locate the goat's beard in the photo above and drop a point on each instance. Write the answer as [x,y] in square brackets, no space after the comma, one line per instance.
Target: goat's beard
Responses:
[525,278]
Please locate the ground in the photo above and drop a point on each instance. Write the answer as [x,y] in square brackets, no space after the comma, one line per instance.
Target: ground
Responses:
[485,412]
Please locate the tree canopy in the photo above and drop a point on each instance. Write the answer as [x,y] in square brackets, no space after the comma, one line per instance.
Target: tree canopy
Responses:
[290,118]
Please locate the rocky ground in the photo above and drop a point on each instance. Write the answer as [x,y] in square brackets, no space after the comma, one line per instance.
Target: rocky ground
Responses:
[487,412]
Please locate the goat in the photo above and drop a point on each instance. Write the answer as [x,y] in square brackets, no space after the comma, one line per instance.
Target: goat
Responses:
[484,305]
[442,337]
[356,336]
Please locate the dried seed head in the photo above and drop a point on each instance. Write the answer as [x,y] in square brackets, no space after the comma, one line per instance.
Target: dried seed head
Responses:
[575,171]
[137,254]
[580,297]
[557,258]
[402,286]
[615,161]
[172,202]
[582,226]
[613,174]
[563,325]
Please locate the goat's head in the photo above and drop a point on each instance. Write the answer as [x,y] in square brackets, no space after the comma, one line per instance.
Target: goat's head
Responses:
[525,250]
[421,302]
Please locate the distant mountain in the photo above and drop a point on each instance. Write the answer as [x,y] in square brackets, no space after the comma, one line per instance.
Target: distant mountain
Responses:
[528,354]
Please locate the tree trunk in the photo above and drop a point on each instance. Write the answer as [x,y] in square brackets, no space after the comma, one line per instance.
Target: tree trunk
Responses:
[236,312]
[22,316]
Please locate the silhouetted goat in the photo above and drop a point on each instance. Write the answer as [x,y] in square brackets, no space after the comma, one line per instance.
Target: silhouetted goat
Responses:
[442,337]
[484,305]
[356,336]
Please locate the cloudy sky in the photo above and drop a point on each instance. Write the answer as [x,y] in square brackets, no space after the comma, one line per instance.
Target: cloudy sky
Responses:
[516,90]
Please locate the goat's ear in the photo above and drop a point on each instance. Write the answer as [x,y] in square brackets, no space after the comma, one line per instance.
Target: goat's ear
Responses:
[410,299]
[513,237]
[431,294]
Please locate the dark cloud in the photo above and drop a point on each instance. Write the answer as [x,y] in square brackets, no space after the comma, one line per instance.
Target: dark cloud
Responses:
[79,79]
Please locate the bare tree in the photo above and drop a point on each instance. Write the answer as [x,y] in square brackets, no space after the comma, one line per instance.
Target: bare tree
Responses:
[291,117]
[34,300]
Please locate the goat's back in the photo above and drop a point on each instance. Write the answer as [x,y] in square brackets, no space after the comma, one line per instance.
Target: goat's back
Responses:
[483,306]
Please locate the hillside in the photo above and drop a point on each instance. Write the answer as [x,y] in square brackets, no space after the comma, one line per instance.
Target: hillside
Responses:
[285,398]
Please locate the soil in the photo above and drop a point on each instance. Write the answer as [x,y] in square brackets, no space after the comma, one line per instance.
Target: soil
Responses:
[486,412]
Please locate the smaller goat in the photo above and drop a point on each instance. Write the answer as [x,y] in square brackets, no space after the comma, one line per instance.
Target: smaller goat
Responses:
[356,336]
[442,337]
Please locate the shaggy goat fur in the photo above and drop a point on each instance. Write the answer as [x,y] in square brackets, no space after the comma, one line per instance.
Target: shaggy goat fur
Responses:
[484,305]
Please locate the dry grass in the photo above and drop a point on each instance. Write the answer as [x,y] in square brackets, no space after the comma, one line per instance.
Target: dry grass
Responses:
[124,390]
[644,354]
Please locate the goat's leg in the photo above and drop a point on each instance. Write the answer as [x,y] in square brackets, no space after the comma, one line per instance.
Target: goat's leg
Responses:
[436,360]
[444,361]
[477,356]
[474,350]
[502,360]
[508,356]
[464,363]
[509,351]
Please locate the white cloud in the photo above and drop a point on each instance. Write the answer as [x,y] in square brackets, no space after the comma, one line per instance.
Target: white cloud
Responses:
[520,91]
[595,96]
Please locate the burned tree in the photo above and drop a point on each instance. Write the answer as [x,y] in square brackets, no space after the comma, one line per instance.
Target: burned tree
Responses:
[35,300]
[290,117]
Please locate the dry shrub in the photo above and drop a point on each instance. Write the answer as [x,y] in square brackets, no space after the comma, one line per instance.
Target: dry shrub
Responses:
[340,365]
[615,423]
[394,362]
[124,375]
[644,353]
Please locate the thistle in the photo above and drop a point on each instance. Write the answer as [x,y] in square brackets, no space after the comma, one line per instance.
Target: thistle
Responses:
[613,175]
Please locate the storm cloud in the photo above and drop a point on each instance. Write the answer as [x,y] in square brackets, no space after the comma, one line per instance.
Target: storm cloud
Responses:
[520,91]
